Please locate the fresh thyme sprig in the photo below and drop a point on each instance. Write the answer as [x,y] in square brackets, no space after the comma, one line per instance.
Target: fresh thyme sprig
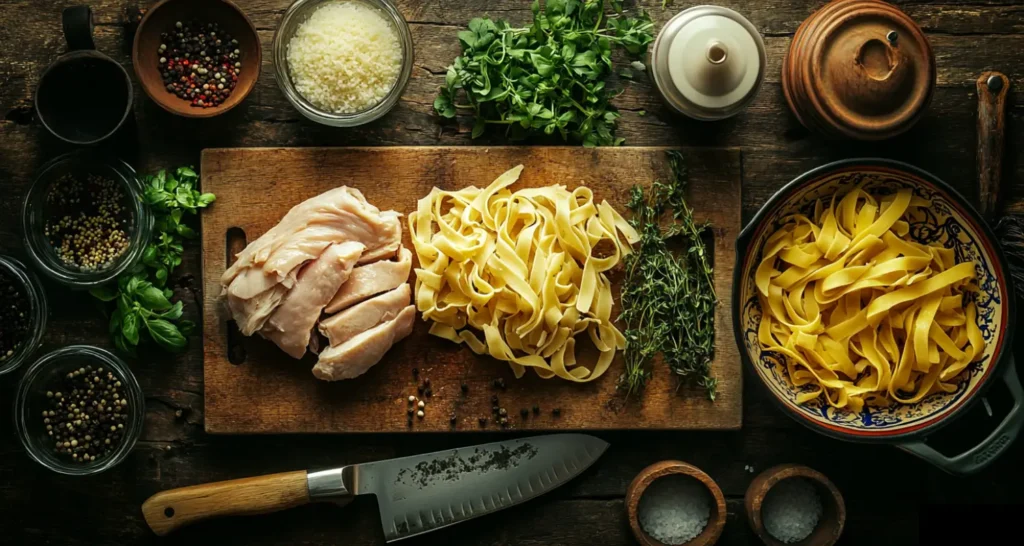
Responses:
[668,298]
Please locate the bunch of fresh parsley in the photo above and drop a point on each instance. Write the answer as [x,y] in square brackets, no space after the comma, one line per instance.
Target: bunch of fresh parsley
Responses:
[142,300]
[545,78]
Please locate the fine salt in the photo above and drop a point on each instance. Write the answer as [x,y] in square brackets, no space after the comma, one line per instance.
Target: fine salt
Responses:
[674,509]
[791,510]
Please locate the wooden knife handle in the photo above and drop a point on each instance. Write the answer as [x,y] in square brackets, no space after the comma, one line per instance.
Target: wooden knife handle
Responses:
[169,510]
[992,90]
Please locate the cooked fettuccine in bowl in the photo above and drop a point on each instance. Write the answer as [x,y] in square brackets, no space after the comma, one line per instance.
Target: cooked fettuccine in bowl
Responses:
[871,300]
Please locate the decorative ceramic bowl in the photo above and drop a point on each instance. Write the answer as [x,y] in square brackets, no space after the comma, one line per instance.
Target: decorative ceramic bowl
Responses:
[951,222]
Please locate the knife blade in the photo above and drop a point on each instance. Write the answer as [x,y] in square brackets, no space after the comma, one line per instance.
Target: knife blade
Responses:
[415,494]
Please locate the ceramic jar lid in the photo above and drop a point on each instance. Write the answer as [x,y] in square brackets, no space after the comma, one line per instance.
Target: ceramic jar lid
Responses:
[859,69]
[708,62]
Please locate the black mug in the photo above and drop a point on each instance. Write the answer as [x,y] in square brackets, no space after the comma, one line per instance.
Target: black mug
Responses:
[84,97]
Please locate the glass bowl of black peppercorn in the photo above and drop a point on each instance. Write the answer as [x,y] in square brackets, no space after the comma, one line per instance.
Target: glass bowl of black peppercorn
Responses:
[79,410]
[84,220]
[23,313]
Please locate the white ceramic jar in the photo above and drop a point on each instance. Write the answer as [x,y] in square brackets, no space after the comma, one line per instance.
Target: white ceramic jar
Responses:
[708,62]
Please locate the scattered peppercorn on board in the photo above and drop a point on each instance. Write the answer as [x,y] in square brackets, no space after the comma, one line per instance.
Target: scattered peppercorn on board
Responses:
[253,387]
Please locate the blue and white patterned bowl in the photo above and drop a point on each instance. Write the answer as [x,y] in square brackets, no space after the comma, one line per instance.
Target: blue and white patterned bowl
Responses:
[951,222]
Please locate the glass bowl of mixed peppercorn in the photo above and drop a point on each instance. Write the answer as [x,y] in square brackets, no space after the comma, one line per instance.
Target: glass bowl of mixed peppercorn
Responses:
[84,220]
[79,410]
[23,313]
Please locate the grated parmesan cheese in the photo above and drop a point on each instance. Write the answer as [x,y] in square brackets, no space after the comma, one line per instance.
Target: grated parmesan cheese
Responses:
[345,58]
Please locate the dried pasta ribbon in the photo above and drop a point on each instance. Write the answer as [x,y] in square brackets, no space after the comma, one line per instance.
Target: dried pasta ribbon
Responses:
[861,311]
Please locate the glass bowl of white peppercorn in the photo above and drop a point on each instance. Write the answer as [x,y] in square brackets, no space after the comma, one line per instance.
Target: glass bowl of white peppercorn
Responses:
[79,410]
[84,220]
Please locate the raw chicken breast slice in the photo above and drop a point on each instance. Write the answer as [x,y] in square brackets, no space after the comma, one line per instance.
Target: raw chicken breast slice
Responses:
[361,317]
[372,279]
[355,356]
[291,324]
[335,216]
[251,314]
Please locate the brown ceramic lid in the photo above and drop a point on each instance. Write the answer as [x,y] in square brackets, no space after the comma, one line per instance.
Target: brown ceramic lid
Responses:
[860,69]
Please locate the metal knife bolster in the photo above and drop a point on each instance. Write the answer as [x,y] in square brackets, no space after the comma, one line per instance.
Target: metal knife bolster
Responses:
[332,484]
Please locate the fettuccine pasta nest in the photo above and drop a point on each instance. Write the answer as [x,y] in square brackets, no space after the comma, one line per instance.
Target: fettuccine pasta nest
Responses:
[521,268]
[861,311]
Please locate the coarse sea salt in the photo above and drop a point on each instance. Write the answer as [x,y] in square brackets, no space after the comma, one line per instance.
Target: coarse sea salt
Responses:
[791,510]
[674,509]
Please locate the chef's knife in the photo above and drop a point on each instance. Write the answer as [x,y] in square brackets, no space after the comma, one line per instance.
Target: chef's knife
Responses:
[415,494]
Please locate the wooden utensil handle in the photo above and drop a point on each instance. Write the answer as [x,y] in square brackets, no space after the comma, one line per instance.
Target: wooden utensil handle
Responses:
[992,90]
[169,510]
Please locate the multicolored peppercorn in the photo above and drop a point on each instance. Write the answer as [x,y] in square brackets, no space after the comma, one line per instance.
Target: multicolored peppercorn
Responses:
[87,414]
[199,63]
[88,221]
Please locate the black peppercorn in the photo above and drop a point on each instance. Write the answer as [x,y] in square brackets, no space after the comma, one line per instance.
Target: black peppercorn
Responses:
[465,388]
[428,393]
[495,383]
[556,412]
[524,413]
[536,410]
[494,409]
[415,372]
[87,415]
[426,382]
[14,316]
[501,384]
[494,399]
[453,419]
[483,421]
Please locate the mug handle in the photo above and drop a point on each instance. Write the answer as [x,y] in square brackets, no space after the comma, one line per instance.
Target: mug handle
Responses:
[978,457]
[77,23]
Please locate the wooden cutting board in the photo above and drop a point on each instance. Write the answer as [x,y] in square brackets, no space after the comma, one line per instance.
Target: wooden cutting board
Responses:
[265,391]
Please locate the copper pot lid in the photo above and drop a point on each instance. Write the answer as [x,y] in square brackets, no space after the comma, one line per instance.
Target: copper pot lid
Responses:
[860,69]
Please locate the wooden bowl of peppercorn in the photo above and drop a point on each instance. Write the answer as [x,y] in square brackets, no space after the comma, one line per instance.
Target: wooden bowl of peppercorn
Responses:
[197,58]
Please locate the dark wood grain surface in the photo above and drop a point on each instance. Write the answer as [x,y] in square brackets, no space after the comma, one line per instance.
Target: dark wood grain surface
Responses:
[886,490]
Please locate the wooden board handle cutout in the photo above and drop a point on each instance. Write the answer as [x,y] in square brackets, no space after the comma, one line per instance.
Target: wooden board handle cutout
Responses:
[169,510]
[992,90]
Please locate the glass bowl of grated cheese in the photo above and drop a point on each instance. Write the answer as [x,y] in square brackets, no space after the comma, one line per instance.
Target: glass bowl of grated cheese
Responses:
[343,63]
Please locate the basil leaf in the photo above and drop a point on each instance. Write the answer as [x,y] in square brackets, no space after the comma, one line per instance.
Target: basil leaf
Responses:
[130,328]
[187,327]
[479,127]
[153,298]
[186,231]
[115,322]
[205,199]
[107,292]
[174,313]
[166,335]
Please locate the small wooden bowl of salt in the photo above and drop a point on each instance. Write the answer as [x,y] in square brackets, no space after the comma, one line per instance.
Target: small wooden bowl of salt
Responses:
[672,503]
[793,505]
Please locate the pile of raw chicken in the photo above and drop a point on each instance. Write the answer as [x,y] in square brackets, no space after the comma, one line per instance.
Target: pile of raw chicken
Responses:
[334,266]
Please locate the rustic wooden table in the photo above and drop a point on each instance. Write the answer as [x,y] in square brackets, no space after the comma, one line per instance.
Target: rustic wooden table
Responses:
[886,490]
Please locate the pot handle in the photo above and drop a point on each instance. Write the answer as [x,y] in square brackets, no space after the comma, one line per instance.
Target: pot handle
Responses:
[77,23]
[978,457]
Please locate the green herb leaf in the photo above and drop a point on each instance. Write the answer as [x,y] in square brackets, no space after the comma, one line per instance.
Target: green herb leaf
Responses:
[153,298]
[166,335]
[668,298]
[546,78]
[130,328]
[107,292]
